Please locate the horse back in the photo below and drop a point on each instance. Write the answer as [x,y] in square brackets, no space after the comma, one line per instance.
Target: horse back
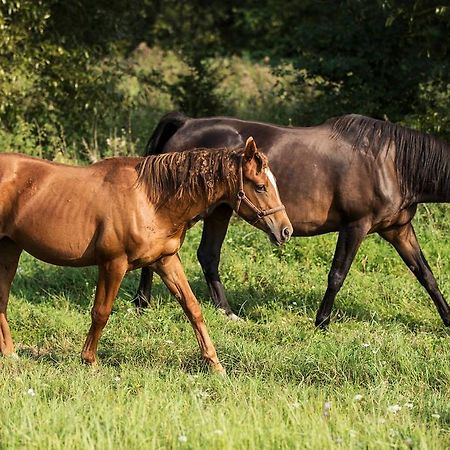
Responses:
[322,180]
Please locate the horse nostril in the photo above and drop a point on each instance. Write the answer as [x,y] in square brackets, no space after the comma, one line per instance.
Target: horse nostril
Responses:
[286,233]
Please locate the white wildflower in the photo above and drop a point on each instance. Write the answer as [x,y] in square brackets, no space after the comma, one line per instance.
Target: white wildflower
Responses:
[436,416]
[295,405]
[409,405]
[365,345]
[31,392]
[327,409]
[202,394]
[182,438]
[394,408]
[357,398]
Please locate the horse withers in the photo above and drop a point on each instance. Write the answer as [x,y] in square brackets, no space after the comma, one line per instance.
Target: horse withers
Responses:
[124,213]
[353,175]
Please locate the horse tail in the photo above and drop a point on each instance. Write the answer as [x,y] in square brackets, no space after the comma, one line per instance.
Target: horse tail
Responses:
[166,128]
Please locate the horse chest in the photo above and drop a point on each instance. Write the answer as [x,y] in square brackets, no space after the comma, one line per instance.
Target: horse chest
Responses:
[153,250]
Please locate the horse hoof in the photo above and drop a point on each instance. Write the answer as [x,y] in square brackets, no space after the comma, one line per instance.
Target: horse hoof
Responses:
[322,324]
[139,310]
[89,360]
[233,316]
[218,369]
[11,355]
[230,314]
[141,302]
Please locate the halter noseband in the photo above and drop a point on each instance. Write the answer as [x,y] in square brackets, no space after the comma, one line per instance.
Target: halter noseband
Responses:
[242,197]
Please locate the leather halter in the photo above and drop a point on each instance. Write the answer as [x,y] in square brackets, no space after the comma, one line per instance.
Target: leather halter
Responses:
[242,197]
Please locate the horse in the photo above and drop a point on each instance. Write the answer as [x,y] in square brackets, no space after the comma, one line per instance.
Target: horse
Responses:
[353,175]
[125,213]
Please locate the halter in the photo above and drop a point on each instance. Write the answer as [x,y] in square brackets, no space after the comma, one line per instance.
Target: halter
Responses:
[242,197]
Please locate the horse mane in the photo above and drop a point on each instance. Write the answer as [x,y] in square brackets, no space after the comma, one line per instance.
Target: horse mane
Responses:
[189,174]
[422,161]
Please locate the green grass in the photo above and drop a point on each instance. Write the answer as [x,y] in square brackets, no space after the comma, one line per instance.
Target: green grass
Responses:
[152,390]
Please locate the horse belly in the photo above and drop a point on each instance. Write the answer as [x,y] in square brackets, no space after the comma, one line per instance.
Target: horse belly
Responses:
[70,252]
[311,208]
[57,237]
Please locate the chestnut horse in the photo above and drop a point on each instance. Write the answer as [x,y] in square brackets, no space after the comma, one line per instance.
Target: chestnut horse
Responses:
[353,174]
[124,213]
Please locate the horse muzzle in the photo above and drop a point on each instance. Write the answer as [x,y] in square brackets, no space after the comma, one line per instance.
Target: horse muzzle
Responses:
[282,236]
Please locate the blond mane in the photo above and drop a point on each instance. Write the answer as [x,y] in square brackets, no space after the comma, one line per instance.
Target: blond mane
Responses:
[189,175]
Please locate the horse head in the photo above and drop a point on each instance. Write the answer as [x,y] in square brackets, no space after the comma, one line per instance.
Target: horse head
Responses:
[258,200]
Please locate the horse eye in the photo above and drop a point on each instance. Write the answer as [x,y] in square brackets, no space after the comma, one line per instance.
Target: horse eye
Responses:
[260,188]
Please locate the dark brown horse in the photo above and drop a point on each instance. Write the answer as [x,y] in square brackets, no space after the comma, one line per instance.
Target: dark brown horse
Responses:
[354,175]
[125,213]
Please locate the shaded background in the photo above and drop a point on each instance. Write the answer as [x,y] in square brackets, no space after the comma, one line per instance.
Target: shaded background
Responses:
[85,79]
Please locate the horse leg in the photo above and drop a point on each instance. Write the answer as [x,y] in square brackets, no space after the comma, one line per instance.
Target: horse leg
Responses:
[405,242]
[9,257]
[208,253]
[172,273]
[349,240]
[143,295]
[110,276]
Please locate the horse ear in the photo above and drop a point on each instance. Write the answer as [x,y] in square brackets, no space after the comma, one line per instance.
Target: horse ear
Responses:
[250,149]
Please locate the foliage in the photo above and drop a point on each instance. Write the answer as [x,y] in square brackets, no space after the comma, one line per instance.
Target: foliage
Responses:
[365,56]
[70,77]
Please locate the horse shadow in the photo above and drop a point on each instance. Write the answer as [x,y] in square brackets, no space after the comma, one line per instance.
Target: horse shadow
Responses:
[44,284]
[251,303]
[247,303]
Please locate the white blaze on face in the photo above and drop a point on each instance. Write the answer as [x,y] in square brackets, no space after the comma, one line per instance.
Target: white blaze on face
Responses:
[272,181]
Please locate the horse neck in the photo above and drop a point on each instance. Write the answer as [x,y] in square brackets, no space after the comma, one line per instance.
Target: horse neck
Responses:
[433,197]
[435,190]
[425,174]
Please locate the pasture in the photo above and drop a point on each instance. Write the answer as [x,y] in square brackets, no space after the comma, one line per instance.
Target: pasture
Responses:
[377,379]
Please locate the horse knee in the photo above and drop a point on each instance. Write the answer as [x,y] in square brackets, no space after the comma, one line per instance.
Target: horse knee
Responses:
[99,317]
[204,256]
[197,316]
[209,261]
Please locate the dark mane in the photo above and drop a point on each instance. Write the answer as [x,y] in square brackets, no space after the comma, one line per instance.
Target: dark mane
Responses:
[188,174]
[422,161]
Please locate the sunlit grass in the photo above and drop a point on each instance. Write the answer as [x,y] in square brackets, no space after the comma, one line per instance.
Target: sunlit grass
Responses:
[379,378]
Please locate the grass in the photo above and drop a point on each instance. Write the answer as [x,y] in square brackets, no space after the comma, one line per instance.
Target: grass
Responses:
[288,385]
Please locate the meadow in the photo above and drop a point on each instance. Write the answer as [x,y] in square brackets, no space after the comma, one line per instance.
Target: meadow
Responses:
[85,80]
[377,379]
